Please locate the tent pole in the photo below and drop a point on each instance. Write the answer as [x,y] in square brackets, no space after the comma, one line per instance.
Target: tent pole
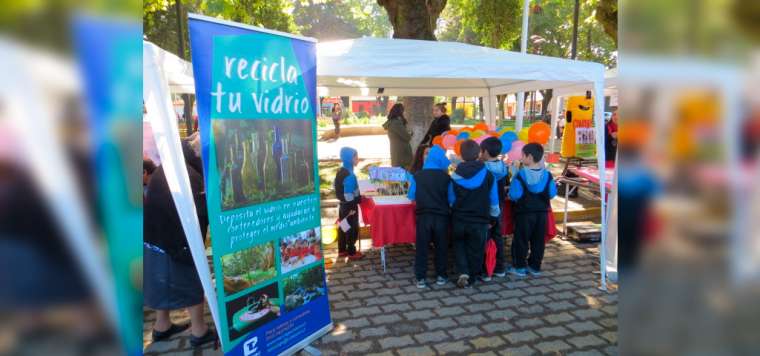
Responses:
[555,120]
[523,49]
[599,121]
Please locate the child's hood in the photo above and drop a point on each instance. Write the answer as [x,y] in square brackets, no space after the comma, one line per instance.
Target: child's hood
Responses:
[470,175]
[497,168]
[347,155]
[536,179]
[436,159]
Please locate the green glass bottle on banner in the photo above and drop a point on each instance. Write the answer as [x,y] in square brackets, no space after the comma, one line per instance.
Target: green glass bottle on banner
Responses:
[270,168]
[248,172]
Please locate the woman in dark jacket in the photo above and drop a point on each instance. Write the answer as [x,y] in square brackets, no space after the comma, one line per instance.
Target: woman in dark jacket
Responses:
[399,136]
[441,123]
[170,278]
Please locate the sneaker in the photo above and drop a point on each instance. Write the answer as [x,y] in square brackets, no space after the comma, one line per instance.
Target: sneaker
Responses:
[485,278]
[421,284]
[463,281]
[196,341]
[357,256]
[534,272]
[172,330]
[500,274]
[441,280]
[519,272]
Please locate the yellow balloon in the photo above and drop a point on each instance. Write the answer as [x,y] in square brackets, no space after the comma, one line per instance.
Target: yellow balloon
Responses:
[502,131]
[523,134]
[476,134]
[329,235]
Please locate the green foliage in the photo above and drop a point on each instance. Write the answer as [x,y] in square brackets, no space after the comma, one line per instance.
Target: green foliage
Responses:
[160,18]
[341,19]
[491,23]
[457,116]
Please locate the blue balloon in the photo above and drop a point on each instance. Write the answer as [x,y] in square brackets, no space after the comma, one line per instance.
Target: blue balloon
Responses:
[506,144]
[511,136]
[463,136]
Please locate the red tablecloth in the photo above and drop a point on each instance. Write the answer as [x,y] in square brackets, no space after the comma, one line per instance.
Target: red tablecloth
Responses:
[389,224]
[592,174]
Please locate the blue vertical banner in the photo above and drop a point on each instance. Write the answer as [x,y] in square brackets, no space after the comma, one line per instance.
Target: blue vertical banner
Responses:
[256,97]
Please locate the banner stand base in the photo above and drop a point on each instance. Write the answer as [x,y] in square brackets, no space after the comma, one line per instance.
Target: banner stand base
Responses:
[311,350]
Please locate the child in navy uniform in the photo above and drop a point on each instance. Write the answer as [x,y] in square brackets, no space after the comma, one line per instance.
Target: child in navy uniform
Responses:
[531,190]
[475,207]
[347,192]
[490,149]
[429,188]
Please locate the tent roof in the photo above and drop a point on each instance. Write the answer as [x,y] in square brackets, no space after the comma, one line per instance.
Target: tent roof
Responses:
[416,67]
[179,72]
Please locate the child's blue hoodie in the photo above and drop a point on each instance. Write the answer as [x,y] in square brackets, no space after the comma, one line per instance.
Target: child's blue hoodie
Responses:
[346,185]
[470,175]
[436,159]
[535,179]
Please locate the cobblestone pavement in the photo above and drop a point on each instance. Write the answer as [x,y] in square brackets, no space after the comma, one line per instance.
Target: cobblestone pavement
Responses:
[560,313]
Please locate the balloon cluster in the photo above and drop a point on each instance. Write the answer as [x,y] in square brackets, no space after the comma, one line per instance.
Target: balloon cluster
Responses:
[512,142]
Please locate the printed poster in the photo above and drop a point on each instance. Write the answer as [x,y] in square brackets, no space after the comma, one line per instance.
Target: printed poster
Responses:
[257,104]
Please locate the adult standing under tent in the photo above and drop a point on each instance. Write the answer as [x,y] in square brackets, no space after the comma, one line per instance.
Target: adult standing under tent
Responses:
[441,123]
[399,136]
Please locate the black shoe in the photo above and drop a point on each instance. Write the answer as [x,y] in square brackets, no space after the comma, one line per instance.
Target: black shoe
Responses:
[209,336]
[174,329]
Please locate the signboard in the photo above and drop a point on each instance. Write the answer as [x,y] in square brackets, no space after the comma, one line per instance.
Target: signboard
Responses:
[257,104]
[579,136]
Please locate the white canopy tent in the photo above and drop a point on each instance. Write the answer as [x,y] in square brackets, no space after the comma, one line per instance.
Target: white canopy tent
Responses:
[435,68]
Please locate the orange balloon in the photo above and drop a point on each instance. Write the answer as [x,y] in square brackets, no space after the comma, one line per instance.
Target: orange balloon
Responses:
[482,127]
[494,134]
[438,140]
[453,132]
[458,148]
[539,133]
[466,129]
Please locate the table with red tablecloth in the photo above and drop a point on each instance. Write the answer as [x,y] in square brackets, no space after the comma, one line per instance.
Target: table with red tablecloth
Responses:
[389,224]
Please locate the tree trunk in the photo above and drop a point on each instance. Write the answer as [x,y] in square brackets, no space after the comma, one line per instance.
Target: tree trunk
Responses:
[481,108]
[574,44]
[500,100]
[453,104]
[188,112]
[415,19]
[547,96]
[607,15]
[383,104]
[346,104]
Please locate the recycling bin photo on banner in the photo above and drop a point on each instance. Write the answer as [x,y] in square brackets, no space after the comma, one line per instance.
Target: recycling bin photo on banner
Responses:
[257,105]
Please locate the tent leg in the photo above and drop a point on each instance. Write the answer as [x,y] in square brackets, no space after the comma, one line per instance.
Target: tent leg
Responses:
[382,257]
[564,222]
[519,114]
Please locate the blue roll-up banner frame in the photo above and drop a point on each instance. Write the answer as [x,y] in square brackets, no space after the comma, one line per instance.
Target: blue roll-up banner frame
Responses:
[256,99]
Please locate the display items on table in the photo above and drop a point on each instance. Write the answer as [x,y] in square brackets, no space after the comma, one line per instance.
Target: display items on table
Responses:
[389,181]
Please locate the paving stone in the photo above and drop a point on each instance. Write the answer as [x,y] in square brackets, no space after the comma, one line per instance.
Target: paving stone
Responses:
[361,294]
[457,348]
[533,290]
[449,311]
[586,353]
[395,341]
[417,351]
[356,323]
[487,353]
[531,309]
[535,299]
[340,314]
[501,314]
[512,293]
[522,336]
[419,315]
[559,318]
[336,297]
[357,347]
[368,332]
[498,327]
[484,296]
[396,307]
[511,302]
[562,295]
[465,332]
[390,291]
[440,323]
[431,337]
[474,308]
[552,346]
[610,310]
[386,353]
[610,336]
[408,297]
[611,350]
[528,323]
[455,300]
[365,311]
[164,346]
[347,305]
[553,331]
[471,319]
[424,304]
[385,318]
[487,342]
[338,337]
[583,326]
[438,294]
[608,322]
[587,313]
[560,305]
[586,341]
[380,300]
[519,351]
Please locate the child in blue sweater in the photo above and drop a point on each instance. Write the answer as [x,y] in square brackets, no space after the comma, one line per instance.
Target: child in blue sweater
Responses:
[531,190]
